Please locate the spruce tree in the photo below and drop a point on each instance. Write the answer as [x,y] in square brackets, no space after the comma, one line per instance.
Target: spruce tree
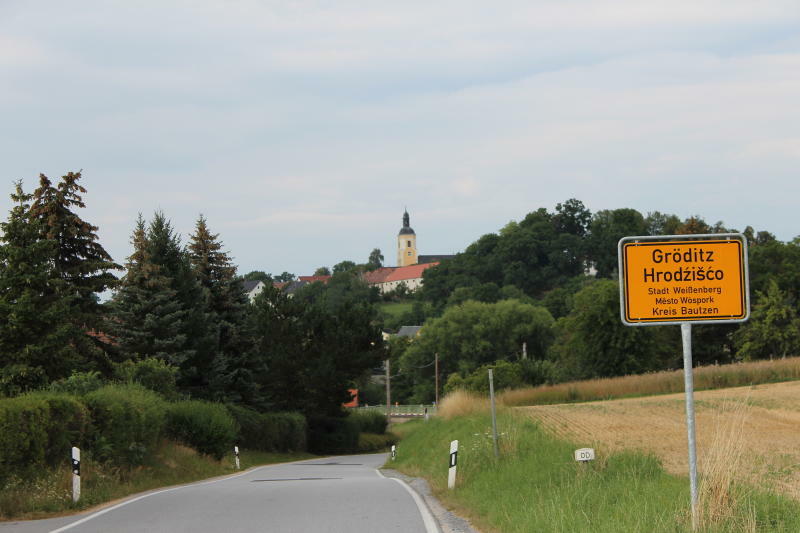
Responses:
[147,319]
[38,341]
[228,373]
[80,260]
[167,252]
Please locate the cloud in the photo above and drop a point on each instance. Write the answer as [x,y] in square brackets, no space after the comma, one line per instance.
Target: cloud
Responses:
[293,123]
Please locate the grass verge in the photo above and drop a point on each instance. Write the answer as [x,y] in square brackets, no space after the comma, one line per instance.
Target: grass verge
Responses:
[668,382]
[50,492]
[537,486]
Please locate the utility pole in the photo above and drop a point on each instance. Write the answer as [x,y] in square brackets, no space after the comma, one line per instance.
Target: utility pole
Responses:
[437,379]
[388,387]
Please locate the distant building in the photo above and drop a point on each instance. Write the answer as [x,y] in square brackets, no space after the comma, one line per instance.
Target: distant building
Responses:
[252,288]
[409,331]
[433,258]
[388,279]
[312,279]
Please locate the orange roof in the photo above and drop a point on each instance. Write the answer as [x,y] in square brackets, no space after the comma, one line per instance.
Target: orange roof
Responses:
[408,272]
[377,276]
[312,279]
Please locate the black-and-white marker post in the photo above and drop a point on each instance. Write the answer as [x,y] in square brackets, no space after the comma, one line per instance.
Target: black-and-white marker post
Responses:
[451,474]
[394,452]
[494,415]
[76,474]
[236,455]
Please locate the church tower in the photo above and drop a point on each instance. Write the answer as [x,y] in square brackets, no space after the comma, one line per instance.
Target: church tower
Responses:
[406,244]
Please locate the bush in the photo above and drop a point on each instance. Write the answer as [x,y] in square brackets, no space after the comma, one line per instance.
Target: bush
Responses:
[271,432]
[127,422]
[370,421]
[80,383]
[292,431]
[23,433]
[207,427]
[151,373]
[16,379]
[328,434]
[38,429]
[506,376]
[68,425]
[371,442]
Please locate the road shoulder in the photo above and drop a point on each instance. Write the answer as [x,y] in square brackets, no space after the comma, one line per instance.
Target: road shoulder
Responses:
[448,521]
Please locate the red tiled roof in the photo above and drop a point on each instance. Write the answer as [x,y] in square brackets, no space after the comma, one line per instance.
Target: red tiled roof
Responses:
[408,272]
[102,337]
[279,284]
[312,279]
[377,276]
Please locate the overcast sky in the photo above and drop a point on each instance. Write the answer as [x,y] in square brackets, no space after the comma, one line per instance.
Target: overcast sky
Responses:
[301,129]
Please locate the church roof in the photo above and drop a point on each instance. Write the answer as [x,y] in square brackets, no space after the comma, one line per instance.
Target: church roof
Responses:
[408,272]
[433,258]
[378,275]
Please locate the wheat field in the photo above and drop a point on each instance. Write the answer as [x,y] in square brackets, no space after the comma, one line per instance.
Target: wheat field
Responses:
[749,433]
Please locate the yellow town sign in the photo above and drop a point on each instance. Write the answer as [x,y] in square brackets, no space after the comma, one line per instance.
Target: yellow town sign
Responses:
[679,279]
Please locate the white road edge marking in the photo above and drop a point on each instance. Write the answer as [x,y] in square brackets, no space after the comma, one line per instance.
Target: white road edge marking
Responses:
[143,496]
[427,517]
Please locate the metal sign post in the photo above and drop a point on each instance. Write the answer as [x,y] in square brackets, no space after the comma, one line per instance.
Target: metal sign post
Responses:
[688,378]
[684,279]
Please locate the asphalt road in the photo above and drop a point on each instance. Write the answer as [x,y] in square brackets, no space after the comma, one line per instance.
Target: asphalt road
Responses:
[332,495]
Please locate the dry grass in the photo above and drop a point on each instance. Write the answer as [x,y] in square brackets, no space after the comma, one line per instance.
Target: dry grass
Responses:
[718,495]
[755,442]
[462,403]
[705,378]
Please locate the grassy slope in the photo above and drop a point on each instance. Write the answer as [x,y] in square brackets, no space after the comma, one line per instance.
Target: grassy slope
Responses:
[49,494]
[537,486]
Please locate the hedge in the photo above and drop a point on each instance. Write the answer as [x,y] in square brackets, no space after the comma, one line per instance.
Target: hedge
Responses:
[328,434]
[370,421]
[39,428]
[127,422]
[271,432]
[207,427]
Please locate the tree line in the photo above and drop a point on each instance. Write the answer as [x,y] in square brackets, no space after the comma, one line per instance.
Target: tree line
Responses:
[179,304]
[539,299]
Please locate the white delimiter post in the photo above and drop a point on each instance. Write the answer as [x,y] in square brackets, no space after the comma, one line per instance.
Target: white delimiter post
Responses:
[451,474]
[494,415]
[686,336]
[236,455]
[76,474]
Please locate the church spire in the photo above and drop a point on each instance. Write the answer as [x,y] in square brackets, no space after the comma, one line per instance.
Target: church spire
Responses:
[406,229]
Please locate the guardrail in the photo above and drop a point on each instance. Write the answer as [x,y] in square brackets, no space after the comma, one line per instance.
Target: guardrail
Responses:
[400,410]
